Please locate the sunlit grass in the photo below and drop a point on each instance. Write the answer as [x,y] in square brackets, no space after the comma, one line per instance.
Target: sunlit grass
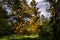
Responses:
[19,37]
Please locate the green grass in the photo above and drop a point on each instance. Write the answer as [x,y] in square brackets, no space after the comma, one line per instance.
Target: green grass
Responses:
[25,37]
[19,37]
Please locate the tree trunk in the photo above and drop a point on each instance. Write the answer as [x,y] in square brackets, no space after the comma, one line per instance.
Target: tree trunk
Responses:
[54,23]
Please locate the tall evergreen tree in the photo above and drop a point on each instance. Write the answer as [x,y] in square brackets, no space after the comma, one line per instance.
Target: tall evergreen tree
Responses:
[34,22]
[20,12]
[55,15]
[4,22]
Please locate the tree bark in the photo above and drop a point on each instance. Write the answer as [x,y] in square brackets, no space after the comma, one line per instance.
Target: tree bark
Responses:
[54,23]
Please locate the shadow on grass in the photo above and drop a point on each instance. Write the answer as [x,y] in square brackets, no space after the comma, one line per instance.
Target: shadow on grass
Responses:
[25,39]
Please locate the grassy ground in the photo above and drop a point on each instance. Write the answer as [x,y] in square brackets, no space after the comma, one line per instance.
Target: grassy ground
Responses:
[19,37]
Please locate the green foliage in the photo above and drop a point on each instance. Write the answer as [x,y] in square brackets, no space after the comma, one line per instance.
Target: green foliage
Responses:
[45,30]
[21,10]
[3,13]
[55,17]
[4,22]
[27,21]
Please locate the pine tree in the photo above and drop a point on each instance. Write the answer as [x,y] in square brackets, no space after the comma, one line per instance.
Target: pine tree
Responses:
[55,12]
[20,11]
[4,22]
[34,22]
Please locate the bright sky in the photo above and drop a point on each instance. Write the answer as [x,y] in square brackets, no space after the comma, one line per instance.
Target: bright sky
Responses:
[36,0]
[43,7]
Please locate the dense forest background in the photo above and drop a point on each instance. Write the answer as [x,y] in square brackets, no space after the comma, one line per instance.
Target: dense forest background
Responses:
[24,21]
